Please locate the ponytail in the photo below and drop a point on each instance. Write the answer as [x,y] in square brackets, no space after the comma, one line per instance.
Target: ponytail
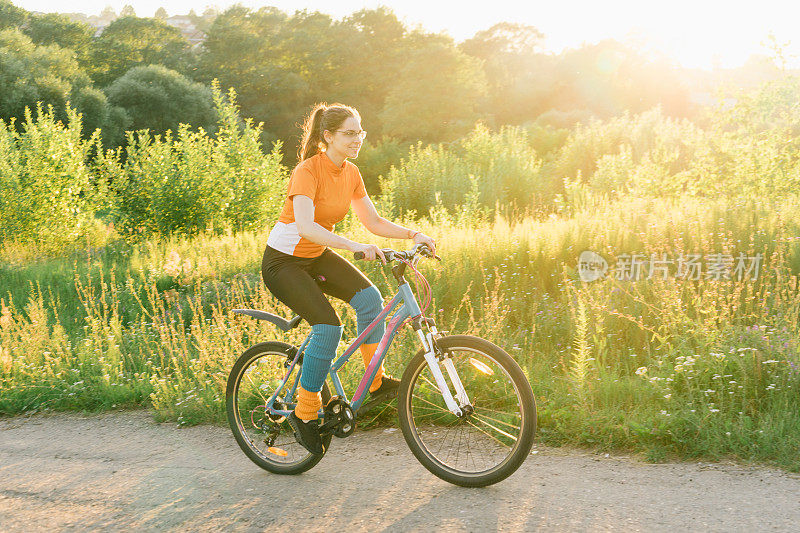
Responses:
[312,133]
[322,117]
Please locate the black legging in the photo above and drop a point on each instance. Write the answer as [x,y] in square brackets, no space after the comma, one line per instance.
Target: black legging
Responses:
[299,282]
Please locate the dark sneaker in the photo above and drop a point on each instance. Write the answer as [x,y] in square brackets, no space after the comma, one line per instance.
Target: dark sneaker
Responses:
[307,434]
[388,388]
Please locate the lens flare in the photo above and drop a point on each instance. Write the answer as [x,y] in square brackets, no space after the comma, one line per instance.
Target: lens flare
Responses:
[482,367]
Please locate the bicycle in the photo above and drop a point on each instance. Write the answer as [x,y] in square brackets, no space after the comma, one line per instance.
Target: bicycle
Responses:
[473,431]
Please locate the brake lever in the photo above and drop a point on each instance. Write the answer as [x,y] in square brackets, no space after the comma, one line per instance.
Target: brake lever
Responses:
[388,253]
[426,252]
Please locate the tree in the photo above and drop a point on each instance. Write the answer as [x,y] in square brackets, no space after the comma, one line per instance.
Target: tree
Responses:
[204,21]
[504,38]
[53,28]
[108,13]
[11,16]
[436,96]
[244,50]
[127,11]
[49,74]
[159,99]
[161,13]
[610,77]
[380,32]
[280,65]
[97,112]
[519,77]
[129,42]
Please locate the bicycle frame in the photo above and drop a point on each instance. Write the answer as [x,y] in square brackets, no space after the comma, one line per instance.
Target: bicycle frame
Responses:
[409,308]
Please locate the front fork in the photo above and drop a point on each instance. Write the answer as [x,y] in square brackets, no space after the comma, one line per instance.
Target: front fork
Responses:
[432,357]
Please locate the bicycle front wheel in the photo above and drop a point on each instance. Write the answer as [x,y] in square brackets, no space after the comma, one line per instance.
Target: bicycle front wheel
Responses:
[494,435]
[268,440]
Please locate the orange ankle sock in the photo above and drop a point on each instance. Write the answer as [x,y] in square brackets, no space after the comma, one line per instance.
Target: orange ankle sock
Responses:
[367,351]
[308,403]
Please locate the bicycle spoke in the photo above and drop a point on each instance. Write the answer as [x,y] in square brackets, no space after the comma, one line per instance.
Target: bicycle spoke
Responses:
[256,387]
[469,452]
[431,403]
[512,437]
[479,408]
[426,408]
[257,382]
[486,435]
[439,417]
[458,448]
[432,384]
[512,426]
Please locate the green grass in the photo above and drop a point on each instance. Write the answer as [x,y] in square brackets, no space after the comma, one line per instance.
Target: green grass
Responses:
[614,365]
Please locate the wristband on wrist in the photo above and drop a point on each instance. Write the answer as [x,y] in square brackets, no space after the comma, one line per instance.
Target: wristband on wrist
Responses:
[413,235]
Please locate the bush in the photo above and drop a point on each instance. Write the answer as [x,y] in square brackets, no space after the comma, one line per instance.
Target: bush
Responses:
[375,160]
[546,139]
[645,155]
[502,166]
[47,194]
[191,182]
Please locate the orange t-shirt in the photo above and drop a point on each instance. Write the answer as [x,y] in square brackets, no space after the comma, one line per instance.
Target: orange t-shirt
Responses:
[331,188]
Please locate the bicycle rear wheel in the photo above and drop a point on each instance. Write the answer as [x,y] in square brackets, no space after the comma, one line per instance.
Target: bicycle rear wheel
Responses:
[494,436]
[266,439]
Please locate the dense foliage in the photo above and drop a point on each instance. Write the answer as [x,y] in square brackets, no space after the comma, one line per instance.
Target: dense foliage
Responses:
[53,182]
[130,42]
[192,182]
[49,74]
[121,254]
[158,99]
[408,84]
[48,197]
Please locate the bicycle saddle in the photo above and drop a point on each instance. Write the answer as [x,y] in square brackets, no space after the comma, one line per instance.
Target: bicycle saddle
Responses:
[282,323]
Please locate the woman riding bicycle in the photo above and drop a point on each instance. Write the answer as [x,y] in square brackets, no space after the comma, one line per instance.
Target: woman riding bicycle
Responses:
[299,267]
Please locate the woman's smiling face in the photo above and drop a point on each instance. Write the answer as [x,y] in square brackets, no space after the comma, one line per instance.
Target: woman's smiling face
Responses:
[346,140]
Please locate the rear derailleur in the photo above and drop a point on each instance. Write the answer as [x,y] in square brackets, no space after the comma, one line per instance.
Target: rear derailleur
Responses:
[270,424]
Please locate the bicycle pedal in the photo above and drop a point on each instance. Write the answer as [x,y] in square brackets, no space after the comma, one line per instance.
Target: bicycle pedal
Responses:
[377,400]
[390,395]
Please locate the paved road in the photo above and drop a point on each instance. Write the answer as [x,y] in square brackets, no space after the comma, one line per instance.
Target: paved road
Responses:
[122,470]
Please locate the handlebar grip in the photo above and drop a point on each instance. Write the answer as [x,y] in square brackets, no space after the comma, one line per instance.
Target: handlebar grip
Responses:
[359,255]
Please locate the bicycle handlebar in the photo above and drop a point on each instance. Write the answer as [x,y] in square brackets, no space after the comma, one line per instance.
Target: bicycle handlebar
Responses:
[390,254]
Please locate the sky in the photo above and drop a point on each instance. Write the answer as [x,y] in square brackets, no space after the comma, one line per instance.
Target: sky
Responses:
[695,34]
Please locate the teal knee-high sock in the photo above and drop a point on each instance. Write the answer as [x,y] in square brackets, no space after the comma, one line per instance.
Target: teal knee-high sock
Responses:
[319,353]
[368,304]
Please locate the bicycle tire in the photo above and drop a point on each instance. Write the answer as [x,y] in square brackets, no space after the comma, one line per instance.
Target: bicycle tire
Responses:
[280,351]
[411,386]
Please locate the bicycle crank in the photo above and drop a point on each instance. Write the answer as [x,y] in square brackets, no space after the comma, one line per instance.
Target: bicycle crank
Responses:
[340,420]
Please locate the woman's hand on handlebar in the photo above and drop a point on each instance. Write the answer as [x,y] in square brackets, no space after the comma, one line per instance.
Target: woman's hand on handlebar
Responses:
[420,238]
[370,251]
